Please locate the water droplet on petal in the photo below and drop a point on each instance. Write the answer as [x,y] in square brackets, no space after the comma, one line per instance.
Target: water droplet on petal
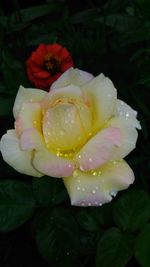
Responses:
[90,159]
[89,204]
[75,174]
[94,173]
[81,168]
[93,191]
[78,188]
[100,204]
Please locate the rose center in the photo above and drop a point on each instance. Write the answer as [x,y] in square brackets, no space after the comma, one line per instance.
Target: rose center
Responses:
[52,64]
[66,126]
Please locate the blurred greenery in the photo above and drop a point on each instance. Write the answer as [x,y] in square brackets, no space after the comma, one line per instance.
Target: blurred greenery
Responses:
[109,36]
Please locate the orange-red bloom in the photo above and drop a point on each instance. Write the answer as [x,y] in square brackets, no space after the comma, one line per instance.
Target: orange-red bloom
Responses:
[47,63]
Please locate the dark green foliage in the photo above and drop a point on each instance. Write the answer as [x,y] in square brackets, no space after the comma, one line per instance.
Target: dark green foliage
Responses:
[16,204]
[112,37]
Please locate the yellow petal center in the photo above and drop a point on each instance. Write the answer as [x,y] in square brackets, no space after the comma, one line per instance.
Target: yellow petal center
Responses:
[66,125]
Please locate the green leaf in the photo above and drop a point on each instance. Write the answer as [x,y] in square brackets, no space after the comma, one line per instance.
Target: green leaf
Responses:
[142,247]
[132,210]
[49,191]
[16,204]
[57,237]
[114,249]
[87,221]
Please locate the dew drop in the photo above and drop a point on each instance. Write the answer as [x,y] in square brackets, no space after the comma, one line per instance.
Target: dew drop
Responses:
[94,173]
[113,194]
[75,174]
[81,168]
[83,189]
[89,204]
[93,192]
[78,188]
[90,159]
[100,204]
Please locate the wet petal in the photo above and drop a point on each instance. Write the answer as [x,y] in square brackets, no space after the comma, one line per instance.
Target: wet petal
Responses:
[27,95]
[20,160]
[124,110]
[29,117]
[128,136]
[65,127]
[102,96]
[52,165]
[72,76]
[99,149]
[45,161]
[97,187]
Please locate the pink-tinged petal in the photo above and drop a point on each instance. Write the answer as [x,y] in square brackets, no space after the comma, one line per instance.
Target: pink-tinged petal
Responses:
[27,95]
[20,160]
[102,96]
[95,188]
[29,117]
[124,110]
[45,161]
[128,136]
[99,149]
[52,165]
[31,139]
[72,76]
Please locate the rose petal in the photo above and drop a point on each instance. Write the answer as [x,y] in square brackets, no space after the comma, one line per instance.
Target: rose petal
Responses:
[69,94]
[20,160]
[95,188]
[27,95]
[31,139]
[29,117]
[124,110]
[72,76]
[99,149]
[45,161]
[102,96]
[52,165]
[128,136]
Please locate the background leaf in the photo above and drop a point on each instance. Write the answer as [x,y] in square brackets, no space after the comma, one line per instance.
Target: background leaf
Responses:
[142,247]
[114,249]
[132,210]
[57,237]
[49,191]
[16,204]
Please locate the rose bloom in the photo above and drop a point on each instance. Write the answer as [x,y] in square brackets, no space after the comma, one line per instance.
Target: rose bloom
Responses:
[79,131]
[47,63]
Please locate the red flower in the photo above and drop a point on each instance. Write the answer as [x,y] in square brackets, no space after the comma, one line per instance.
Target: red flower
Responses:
[47,63]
